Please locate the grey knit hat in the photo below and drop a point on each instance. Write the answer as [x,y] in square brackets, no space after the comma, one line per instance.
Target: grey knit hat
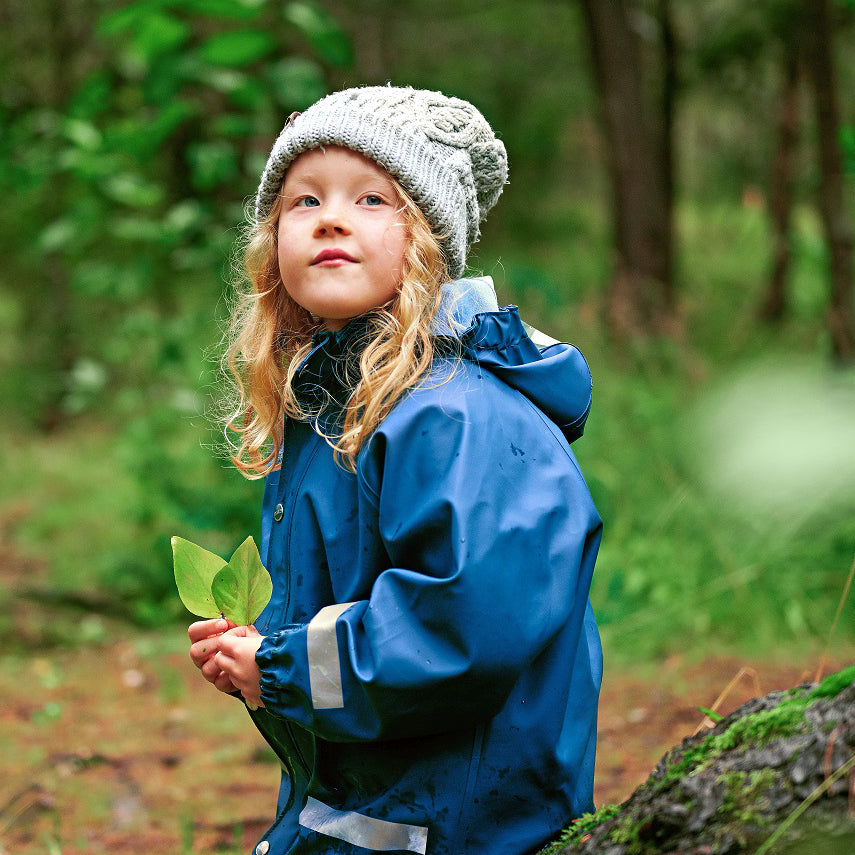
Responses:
[441,149]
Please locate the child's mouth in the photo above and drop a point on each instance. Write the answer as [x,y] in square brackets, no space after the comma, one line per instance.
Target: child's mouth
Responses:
[332,258]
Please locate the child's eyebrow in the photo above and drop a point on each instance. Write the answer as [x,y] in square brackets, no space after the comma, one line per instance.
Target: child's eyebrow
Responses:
[356,184]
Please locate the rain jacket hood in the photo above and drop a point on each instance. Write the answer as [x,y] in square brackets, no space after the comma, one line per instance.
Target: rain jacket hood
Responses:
[431,664]
[553,375]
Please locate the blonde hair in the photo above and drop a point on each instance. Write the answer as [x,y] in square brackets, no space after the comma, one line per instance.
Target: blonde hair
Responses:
[270,335]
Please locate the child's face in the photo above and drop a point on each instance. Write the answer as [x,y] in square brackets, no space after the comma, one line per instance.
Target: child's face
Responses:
[341,235]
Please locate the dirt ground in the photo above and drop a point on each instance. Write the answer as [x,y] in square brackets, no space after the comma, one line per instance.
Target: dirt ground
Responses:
[111,743]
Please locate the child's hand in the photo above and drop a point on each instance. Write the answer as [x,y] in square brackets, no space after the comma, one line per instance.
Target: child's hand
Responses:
[205,643]
[236,659]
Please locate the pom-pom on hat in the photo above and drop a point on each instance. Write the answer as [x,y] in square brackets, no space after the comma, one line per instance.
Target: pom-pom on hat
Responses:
[440,149]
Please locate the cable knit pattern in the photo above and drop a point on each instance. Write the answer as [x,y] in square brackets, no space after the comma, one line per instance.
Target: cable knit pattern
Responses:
[440,148]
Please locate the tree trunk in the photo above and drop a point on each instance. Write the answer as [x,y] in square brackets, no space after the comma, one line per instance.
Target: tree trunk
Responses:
[54,314]
[838,229]
[781,191]
[732,789]
[666,138]
[640,297]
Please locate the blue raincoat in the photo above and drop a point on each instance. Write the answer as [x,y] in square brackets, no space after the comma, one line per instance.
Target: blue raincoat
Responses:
[431,666]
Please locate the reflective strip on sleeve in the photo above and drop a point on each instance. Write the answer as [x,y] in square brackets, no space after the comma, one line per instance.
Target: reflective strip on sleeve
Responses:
[324,665]
[364,831]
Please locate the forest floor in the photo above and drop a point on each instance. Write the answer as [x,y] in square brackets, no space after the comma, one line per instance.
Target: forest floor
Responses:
[111,743]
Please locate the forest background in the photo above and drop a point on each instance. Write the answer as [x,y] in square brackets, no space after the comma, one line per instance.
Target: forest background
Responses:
[680,207]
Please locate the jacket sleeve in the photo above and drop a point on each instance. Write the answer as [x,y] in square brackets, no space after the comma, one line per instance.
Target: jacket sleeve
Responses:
[490,534]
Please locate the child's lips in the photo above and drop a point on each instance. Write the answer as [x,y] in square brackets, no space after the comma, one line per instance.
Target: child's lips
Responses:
[332,258]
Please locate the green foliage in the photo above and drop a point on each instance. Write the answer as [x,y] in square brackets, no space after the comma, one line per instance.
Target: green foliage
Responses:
[582,826]
[129,180]
[209,587]
[322,31]
[142,167]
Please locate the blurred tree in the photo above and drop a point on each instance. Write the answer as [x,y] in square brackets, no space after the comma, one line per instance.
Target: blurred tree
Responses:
[816,28]
[800,38]
[638,135]
[781,186]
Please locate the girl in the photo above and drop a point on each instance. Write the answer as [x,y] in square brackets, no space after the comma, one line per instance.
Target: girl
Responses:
[428,667]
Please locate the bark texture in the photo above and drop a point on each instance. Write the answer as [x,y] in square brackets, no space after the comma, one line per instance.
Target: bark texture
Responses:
[781,190]
[728,790]
[639,163]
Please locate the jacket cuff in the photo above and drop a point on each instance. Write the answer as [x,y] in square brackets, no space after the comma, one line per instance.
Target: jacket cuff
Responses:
[277,660]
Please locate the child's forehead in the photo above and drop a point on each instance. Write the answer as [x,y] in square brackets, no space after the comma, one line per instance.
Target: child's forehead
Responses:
[335,163]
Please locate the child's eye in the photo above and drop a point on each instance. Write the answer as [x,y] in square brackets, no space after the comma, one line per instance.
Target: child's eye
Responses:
[307,202]
[372,199]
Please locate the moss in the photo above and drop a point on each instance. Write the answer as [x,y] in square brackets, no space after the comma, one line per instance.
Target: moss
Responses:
[689,759]
[834,684]
[744,796]
[744,803]
[758,729]
[626,832]
[580,827]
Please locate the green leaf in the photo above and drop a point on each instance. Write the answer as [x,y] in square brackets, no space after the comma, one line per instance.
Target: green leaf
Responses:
[710,714]
[195,569]
[235,9]
[157,34]
[297,82]
[236,49]
[322,31]
[92,96]
[127,18]
[58,235]
[243,588]
[212,163]
[130,188]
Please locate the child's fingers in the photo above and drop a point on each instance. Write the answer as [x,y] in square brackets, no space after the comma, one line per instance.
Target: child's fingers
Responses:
[202,629]
[240,639]
[202,651]
[224,683]
[211,670]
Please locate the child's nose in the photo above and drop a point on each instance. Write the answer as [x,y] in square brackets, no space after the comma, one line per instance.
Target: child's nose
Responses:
[331,221]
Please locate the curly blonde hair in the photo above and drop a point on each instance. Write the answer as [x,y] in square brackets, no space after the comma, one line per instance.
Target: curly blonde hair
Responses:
[270,335]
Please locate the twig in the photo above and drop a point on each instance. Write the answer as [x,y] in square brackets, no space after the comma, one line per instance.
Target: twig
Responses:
[829,750]
[744,671]
[825,785]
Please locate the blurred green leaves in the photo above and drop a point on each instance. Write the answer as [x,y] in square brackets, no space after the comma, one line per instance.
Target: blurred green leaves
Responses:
[322,31]
[237,49]
[156,148]
[129,180]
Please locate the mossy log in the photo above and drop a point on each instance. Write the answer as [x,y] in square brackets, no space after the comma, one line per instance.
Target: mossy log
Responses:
[776,776]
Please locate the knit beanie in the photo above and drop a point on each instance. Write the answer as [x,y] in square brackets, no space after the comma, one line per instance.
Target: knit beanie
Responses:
[440,149]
